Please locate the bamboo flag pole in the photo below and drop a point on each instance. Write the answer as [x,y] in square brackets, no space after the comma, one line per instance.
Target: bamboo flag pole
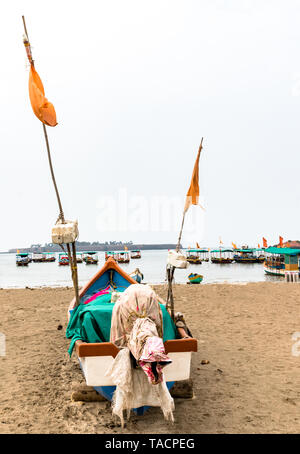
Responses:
[170,268]
[180,233]
[71,254]
[185,209]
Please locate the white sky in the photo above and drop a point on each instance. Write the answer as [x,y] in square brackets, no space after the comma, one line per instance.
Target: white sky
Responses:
[135,86]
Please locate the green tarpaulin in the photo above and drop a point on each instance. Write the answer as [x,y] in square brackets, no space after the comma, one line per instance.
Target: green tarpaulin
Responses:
[197,250]
[222,250]
[91,322]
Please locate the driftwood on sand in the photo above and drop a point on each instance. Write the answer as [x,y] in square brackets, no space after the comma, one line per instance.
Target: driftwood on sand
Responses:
[84,393]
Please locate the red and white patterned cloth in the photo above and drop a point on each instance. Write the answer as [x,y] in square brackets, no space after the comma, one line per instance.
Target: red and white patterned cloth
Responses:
[154,359]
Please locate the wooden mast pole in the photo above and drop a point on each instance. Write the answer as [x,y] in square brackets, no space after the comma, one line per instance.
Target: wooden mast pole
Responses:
[171,269]
[180,233]
[183,217]
[72,257]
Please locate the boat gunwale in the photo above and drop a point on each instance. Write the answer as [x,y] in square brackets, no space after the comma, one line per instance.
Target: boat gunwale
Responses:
[85,349]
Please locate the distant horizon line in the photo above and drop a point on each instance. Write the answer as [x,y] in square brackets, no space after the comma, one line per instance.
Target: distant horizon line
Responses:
[83,246]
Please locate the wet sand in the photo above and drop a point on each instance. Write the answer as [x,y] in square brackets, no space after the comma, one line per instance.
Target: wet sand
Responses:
[250,385]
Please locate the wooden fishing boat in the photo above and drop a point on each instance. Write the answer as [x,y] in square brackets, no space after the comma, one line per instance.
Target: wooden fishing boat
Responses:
[90,258]
[195,278]
[260,255]
[193,256]
[22,259]
[122,257]
[282,262]
[248,255]
[221,256]
[137,275]
[109,254]
[204,255]
[96,358]
[79,258]
[135,254]
[49,257]
[63,259]
[38,257]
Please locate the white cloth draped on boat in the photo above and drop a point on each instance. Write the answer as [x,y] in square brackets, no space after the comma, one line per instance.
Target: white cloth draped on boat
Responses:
[137,328]
[133,389]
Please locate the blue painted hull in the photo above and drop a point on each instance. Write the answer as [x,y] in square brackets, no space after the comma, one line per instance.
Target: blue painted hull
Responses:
[107,392]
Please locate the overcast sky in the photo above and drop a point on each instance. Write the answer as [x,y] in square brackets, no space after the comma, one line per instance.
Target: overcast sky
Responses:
[135,86]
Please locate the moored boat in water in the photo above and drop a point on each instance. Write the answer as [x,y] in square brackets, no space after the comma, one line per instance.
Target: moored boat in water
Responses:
[282,262]
[122,257]
[63,259]
[38,257]
[49,257]
[109,254]
[204,255]
[221,256]
[248,255]
[193,256]
[22,259]
[90,258]
[79,258]
[135,254]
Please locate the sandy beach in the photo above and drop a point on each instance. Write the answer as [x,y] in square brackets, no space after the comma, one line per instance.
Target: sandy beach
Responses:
[250,385]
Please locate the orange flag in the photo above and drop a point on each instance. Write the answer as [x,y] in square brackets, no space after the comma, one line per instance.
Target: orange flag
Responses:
[280,241]
[41,107]
[197,246]
[234,245]
[265,244]
[192,196]
[258,246]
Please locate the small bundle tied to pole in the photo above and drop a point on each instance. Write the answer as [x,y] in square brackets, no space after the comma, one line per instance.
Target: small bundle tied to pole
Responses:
[175,259]
[64,232]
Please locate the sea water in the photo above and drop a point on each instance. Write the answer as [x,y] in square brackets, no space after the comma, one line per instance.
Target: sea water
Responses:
[152,265]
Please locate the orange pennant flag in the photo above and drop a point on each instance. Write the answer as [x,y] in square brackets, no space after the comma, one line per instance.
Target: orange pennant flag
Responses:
[197,245]
[41,107]
[258,246]
[192,196]
[234,246]
[265,244]
[280,241]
